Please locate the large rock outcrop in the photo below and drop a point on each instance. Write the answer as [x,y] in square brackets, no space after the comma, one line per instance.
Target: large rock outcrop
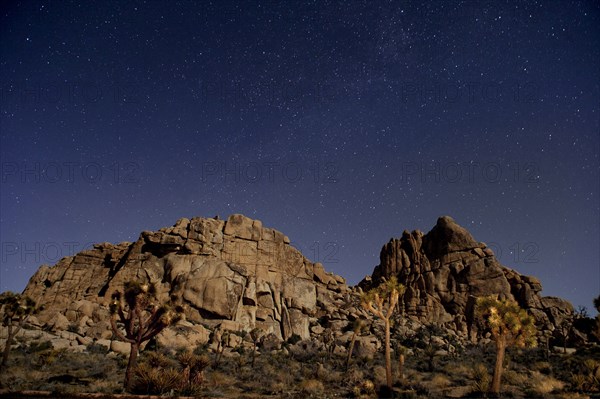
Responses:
[445,270]
[236,274]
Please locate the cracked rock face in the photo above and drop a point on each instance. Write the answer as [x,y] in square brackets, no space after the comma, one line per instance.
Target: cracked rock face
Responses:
[446,269]
[235,273]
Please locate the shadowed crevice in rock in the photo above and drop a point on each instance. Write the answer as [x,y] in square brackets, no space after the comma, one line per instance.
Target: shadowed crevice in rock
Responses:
[114,265]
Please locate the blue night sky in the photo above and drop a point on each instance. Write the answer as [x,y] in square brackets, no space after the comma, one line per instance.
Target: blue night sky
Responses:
[339,123]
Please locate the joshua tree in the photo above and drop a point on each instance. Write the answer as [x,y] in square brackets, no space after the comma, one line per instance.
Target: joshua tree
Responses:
[15,310]
[255,335]
[193,366]
[329,341]
[430,348]
[357,326]
[381,302]
[401,350]
[510,325]
[564,329]
[143,318]
[222,338]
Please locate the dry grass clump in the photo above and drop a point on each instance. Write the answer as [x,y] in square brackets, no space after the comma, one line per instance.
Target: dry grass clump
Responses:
[159,374]
[365,389]
[271,375]
[543,385]
[454,369]
[543,367]
[588,377]
[312,388]
[149,380]
[219,379]
[354,377]
[512,377]
[440,381]
[379,375]
[481,378]
[106,386]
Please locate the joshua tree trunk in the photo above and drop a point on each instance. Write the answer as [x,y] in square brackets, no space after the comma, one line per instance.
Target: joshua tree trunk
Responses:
[500,349]
[401,366]
[350,350]
[131,365]
[7,345]
[388,357]
[11,334]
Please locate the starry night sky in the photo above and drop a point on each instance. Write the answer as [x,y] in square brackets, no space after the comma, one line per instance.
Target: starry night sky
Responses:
[339,123]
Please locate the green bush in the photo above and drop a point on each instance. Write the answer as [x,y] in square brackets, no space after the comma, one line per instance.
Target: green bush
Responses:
[37,346]
[94,347]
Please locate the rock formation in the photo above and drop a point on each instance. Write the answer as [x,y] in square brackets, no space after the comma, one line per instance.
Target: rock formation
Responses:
[235,274]
[446,269]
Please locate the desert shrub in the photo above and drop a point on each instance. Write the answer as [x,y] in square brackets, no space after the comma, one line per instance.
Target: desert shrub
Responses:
[542,385]
[379,375]
[354,377]
[49,357]
[94,347]
[481,378]
[456,368]
[578,382]
[588,377]
[38,346]
[153,381]
[106,386]
[201,349]
[542,367]
[157,360]
[304,351]
[73,327]
[440,381]
[312,387]
[275,377]
[592,368]
[512,377]
[193,371]
[365,388]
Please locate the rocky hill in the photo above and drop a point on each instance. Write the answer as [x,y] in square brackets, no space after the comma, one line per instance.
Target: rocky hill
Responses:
[446,269]
[236,274]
